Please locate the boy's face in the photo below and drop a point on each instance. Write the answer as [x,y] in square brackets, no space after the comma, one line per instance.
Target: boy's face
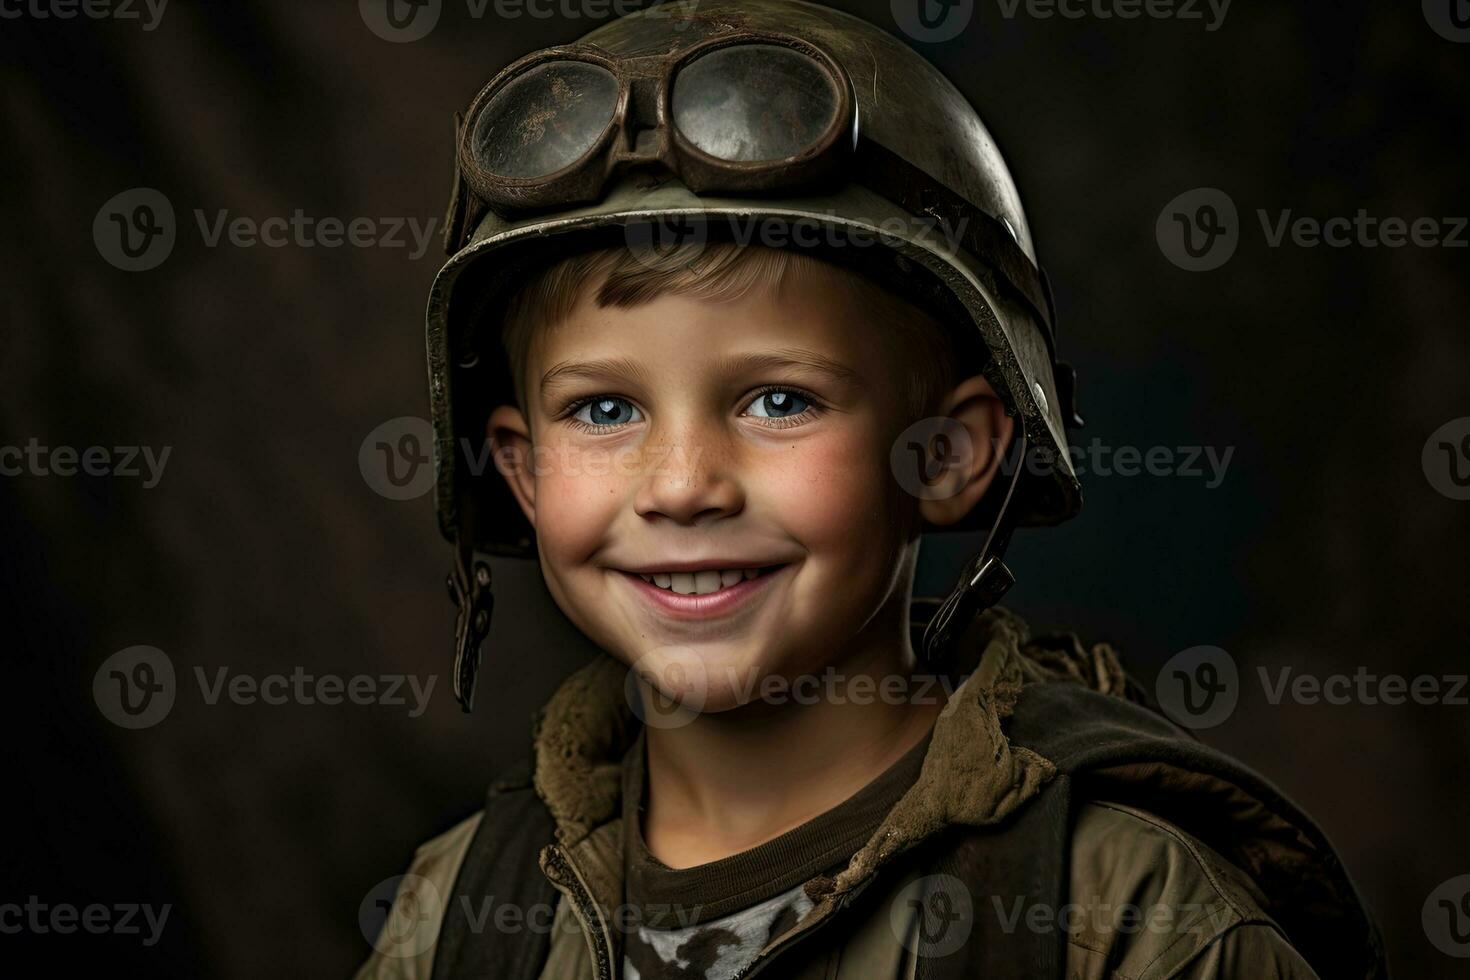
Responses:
[710,484]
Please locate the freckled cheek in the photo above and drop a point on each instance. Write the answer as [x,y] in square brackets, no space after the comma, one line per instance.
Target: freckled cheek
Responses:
[578,498]
[828,492]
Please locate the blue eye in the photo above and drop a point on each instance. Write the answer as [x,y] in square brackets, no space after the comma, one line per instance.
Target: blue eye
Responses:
[608,412]
[778,404]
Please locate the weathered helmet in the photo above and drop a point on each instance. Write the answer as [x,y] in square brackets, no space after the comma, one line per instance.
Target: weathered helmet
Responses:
[687,119]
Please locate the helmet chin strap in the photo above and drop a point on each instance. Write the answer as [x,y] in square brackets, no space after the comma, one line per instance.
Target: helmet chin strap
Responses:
[469,590]
[985,581]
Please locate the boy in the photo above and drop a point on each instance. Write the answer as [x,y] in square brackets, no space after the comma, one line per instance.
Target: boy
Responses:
[723,454]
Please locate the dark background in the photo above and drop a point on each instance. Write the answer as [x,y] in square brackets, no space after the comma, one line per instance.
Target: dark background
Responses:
[263,548]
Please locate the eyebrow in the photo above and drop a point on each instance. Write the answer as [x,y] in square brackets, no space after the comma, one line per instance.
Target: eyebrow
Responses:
[599,370]
[754,362]
[787,357]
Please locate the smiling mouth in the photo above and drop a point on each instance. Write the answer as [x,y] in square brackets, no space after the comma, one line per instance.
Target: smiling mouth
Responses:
[705,593]
[703,582]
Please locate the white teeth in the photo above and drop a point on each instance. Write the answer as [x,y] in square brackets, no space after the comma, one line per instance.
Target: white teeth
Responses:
[702,582]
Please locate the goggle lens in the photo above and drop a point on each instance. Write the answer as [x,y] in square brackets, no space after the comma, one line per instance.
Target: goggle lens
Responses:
[754,102]
[544,120]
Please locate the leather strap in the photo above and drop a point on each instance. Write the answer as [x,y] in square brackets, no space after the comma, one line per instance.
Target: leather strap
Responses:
[501,868]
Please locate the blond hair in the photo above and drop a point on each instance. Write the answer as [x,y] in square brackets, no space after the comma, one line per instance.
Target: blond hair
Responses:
[721,272]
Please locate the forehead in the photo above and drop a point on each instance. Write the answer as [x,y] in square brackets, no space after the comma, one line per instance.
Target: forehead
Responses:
[819,313]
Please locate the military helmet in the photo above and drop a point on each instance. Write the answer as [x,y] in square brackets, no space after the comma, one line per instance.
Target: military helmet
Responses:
[683,123]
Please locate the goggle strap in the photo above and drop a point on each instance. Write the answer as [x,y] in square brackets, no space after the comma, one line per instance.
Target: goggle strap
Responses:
[454,215]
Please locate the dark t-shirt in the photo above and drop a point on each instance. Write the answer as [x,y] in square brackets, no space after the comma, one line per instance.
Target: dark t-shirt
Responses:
[709,921]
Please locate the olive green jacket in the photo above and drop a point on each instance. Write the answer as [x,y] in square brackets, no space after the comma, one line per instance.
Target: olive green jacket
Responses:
[1144,899]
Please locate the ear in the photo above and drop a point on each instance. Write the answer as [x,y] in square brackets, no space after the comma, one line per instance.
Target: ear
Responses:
[975,406]
[510,445]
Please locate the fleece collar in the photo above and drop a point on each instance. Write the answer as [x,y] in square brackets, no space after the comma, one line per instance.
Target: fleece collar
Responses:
[971,774]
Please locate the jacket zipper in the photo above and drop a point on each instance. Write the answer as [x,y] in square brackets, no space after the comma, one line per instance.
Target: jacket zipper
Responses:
[564,874]
[763,960]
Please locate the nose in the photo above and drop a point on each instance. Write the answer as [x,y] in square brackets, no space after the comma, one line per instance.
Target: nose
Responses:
[689,480]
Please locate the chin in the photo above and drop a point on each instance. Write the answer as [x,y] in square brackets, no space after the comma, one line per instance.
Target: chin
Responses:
[711,676]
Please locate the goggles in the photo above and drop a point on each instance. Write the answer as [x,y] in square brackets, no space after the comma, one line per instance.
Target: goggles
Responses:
[745,113]
[734,114]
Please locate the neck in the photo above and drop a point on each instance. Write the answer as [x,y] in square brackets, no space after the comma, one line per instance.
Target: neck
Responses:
[730,781]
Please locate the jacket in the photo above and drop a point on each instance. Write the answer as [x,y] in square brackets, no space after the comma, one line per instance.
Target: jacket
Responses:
[1058,828]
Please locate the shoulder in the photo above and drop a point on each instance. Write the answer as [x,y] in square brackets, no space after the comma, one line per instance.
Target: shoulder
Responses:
[1147,900]
[404,950]
[438,858]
